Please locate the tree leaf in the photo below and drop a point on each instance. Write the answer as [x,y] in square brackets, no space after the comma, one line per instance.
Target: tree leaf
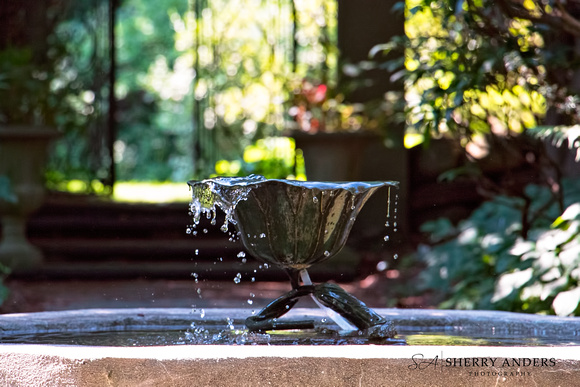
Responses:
[566,302]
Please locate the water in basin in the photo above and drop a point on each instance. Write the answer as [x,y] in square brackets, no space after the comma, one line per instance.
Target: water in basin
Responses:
[154,327]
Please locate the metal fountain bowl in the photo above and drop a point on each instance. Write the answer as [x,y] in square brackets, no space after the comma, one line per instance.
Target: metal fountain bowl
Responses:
[292,224]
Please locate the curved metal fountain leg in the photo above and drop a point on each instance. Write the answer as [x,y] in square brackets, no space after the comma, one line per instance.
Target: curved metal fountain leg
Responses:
[265,320]
[354,310]
[331,296]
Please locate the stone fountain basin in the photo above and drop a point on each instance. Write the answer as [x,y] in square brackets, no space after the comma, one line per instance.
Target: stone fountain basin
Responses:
[545,347]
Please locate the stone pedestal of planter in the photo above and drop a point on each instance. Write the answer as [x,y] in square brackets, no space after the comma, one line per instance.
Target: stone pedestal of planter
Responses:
[23,152]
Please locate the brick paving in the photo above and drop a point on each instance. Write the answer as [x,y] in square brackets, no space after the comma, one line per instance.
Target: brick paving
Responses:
[375,290]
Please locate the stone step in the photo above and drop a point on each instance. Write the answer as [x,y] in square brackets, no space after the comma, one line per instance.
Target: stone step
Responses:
[91,238]
[103,218]
[85,249]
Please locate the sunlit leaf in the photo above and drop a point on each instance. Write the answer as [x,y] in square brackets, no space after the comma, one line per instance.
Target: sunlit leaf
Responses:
[566,302]
[510,282]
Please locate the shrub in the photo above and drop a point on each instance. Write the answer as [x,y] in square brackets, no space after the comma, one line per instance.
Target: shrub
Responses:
[485,262]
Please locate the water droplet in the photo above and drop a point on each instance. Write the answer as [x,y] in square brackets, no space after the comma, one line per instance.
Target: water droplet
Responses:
[188,230]
[382,266]
[196,251]
[386,238]
[387,224]
[205,230]
[238,278]
[396,256]
[315,199]
[327,253]
[196,276]
[244,260]
[202,313]
[262,235]
[266,266]
[250,302]
[253,279]
[241,254]
[194,233]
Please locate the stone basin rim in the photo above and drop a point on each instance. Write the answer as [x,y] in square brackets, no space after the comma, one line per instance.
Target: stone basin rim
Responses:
[185,352]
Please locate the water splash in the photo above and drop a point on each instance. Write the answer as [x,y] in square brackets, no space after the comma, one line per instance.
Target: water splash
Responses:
[224,193]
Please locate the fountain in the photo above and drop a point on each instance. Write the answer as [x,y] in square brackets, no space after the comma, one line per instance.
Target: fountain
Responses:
[292,225]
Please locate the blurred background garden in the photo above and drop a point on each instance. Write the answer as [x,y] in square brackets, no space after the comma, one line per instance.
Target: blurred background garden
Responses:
[471,105]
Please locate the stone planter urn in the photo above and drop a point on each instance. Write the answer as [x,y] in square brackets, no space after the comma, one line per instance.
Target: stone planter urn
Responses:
[357,156]
[23,152]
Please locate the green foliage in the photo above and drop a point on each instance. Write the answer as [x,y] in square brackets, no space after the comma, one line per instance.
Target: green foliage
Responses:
[486,263]
[486,74]
[199,82]
[271,157]
[23,88]
[153,90]
[4,271]
[560,135]
[475,68]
